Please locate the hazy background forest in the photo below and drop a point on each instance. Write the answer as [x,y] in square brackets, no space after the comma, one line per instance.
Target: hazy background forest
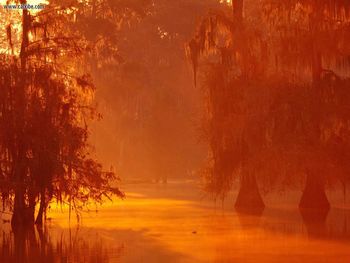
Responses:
[151,110]
[174,131]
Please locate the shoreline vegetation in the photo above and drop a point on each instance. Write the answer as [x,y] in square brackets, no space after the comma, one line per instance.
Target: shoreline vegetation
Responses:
[46,107]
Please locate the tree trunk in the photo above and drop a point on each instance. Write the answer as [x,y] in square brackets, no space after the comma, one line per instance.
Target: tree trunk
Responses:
[249,198]
[30,211]
[23,214]
[314,195]
[18,218]
[39,217]
[20,211]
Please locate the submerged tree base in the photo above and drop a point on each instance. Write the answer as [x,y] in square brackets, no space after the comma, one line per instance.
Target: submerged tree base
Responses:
[314,206]
[314,196]
[314,216]
[249,199]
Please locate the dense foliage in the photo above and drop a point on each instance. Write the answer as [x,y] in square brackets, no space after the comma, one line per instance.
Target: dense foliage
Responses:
[46,105]
[276,83]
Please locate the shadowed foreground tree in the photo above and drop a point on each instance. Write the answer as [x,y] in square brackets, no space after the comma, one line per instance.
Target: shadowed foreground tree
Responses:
[46,105]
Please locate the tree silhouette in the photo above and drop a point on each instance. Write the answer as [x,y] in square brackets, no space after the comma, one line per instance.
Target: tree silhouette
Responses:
[46,106]
[276,91]
[312,58]
[237,105]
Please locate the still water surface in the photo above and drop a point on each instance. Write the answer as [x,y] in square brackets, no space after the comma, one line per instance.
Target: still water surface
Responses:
[172,223]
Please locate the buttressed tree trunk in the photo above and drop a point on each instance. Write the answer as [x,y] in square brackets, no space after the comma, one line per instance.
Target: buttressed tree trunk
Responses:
[249,197]
[314,195]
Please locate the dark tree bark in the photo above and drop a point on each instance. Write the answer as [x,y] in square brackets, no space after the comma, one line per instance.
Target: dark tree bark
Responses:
[18,209]
[20,213]
[249,197]
[23,214]
[314,195]
[30,211]
[39,218]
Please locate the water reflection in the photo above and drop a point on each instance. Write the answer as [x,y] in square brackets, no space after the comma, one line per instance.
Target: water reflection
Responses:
[43,245]
[82,245]
[252,211]
[314,224]
[168,225]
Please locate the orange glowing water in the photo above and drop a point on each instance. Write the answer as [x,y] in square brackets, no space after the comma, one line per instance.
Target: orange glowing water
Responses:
[171,223]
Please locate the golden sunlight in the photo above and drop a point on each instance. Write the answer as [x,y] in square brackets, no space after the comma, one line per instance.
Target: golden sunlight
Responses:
[184,131]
